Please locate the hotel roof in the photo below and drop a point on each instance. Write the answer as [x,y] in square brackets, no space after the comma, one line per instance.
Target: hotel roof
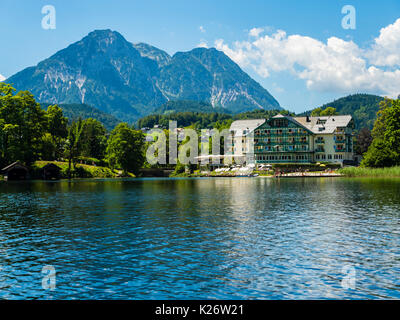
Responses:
[329,126]
[239,126]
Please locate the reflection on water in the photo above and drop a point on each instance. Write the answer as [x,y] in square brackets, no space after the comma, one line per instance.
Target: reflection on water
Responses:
[225,238]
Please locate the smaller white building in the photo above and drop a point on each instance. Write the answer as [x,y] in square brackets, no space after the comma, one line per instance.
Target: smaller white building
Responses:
[333,138]
[242,132]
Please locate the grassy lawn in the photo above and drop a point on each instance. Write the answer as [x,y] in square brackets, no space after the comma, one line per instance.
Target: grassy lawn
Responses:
[81,171]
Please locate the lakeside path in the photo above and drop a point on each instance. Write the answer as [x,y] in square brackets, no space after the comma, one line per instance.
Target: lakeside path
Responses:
[308,175]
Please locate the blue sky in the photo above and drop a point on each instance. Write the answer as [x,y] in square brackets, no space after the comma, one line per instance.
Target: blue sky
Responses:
[298,70]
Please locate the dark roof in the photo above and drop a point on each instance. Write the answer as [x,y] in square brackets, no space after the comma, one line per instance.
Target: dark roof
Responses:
[12,165]
[51,165]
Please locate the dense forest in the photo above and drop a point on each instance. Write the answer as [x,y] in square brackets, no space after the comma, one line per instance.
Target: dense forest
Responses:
[363,108]
[203,120]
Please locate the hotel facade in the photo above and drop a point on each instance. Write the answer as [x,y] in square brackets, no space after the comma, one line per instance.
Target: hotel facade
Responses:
[285,139]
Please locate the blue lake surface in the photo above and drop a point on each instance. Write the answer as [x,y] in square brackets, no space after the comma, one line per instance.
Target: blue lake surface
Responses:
[211,238]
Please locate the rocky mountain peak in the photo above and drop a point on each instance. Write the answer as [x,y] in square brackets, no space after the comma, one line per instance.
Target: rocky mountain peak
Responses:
[130,80]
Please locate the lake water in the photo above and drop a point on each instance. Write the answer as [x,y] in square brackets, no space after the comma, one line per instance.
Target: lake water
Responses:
[211,238]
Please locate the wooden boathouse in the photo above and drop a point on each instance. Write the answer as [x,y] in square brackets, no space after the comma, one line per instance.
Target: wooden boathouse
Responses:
[15,171]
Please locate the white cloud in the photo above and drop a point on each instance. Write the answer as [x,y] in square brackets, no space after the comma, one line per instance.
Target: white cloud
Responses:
[2,78]
[201,28]
[255,32]
[386,49]
[202,44]
[335,66]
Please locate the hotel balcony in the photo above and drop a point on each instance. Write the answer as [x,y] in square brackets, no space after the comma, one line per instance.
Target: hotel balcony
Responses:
[342,149]
[281,142]
[339,140]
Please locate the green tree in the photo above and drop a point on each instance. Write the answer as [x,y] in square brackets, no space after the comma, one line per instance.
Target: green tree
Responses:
[22,126]
[57,128]
[379,128]
[363,141]
[316,112]
[125,149]
[378,155]
[385,148]
[329,111]
[94,140]
[48,148]
[73,143]
[392,132]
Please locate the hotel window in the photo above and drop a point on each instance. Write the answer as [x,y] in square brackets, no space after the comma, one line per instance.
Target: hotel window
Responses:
[329,156]
[280,123]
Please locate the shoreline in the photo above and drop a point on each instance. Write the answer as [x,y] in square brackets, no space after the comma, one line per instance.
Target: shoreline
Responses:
[85,172]
[99,179]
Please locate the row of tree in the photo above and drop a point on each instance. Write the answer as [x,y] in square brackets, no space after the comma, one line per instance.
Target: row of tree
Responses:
[29,133]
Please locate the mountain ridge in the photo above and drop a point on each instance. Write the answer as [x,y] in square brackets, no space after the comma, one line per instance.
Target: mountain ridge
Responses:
[130,80]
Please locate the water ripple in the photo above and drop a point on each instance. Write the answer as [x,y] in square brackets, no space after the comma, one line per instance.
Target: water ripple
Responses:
[201,238]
